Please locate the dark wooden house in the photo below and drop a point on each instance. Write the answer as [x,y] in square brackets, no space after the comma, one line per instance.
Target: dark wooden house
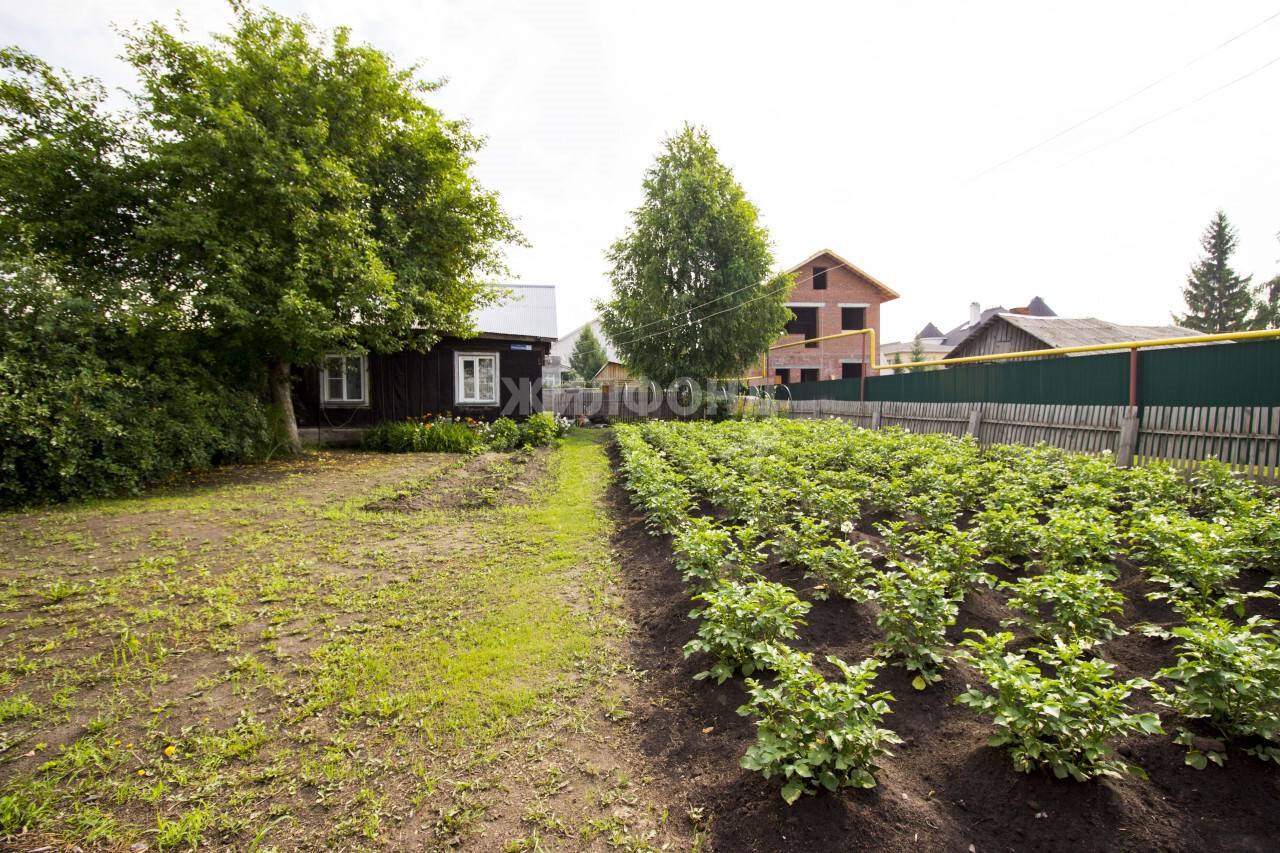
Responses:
[497,372]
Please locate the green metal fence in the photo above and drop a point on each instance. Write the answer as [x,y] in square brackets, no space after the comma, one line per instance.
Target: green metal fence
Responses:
[1230,374]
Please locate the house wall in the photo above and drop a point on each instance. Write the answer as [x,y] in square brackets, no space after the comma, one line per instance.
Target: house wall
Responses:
[412,384]
[999,336]
[844,286]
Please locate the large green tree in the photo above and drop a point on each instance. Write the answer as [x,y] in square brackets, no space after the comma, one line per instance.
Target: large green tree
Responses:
[588,355]
[1218,299]
[304,198]
[693,295]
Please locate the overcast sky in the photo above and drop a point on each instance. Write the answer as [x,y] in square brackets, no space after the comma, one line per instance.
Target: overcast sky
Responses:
[868,128]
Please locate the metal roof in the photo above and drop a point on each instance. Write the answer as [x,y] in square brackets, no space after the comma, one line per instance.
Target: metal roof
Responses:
[564,346]
[528,310]
[1057,332]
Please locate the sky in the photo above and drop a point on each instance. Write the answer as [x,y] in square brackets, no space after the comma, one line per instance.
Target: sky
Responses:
[868,128]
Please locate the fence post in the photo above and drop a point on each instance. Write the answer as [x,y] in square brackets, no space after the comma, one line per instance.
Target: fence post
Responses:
[1128,437]
[875,416]
[975,421]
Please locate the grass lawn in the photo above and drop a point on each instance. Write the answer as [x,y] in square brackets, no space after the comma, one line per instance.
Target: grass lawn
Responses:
[342,651]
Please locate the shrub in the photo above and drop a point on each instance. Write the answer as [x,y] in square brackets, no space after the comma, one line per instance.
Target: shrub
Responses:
[503,435]
[1063,722]
[539,430]
[1074,606]
[738,620]
[813,732]
[1227,675]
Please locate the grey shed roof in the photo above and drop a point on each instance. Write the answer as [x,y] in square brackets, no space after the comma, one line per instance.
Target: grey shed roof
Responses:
[1057,332]
[530,311]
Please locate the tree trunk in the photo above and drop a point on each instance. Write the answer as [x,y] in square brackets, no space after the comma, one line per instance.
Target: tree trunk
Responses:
[282,396]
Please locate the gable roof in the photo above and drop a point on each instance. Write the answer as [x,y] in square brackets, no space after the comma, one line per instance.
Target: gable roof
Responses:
[889,293]
[929,331]
[529,311]
[1056,332]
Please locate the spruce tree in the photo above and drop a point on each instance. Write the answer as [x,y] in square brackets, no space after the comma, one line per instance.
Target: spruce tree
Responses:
[1218,299]
[588,355]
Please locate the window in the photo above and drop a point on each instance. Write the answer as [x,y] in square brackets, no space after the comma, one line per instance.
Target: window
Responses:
[783,374]
[805,322]
[850,370]
[808,374]
[852,319]
[345,380]
[819,278]
[477,374]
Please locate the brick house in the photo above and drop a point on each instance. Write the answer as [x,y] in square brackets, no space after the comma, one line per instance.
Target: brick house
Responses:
[831,296]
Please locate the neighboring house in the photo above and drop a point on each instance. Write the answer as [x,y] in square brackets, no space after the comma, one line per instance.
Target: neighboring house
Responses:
[931,342]
[562,350]
[459,376]
[831,296]
[1002,333]
[937,344]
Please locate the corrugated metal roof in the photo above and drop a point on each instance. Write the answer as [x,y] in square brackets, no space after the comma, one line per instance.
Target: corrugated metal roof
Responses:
[1083,331]
[529,310]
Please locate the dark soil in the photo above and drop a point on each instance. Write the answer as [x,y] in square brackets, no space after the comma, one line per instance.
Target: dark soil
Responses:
[944,788]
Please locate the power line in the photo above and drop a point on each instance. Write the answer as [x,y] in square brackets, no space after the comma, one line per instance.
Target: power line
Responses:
[1264,66]
[708,302]
[1125,99]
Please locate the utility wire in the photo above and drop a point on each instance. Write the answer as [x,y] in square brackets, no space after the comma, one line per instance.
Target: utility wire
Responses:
[1264,66]
[1124,100]
[708,302]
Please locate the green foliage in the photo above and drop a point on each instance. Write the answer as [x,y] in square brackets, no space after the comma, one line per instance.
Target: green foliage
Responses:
[503,435]
[588,355]
[1075,538]
[1064,721]
[1228,676]
[812,545]
[1070,605]
[539,430]
[443,435]
[917,605]
[815,733]
[694,239]
[1218,299]
[739,620]
[91,407]
[707,552]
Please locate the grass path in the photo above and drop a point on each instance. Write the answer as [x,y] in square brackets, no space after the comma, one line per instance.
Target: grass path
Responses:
[260,661]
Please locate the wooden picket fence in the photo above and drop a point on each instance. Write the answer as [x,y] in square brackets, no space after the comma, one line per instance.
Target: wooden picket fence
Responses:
[1247,438]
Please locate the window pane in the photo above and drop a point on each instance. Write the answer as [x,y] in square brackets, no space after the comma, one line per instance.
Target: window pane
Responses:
[333,378]
[487,379]
[468,378]
[355,378]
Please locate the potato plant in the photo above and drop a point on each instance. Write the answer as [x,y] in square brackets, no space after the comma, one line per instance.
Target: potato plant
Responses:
[738,620]
[917,606]
[1061,713]
[1228,677]
[814,733]
[1070,605]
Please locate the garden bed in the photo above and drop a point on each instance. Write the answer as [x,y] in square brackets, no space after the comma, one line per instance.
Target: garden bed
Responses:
[943,787]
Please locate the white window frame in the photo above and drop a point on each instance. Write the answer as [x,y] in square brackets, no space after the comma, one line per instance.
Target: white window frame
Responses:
[459,397]
[345,400]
